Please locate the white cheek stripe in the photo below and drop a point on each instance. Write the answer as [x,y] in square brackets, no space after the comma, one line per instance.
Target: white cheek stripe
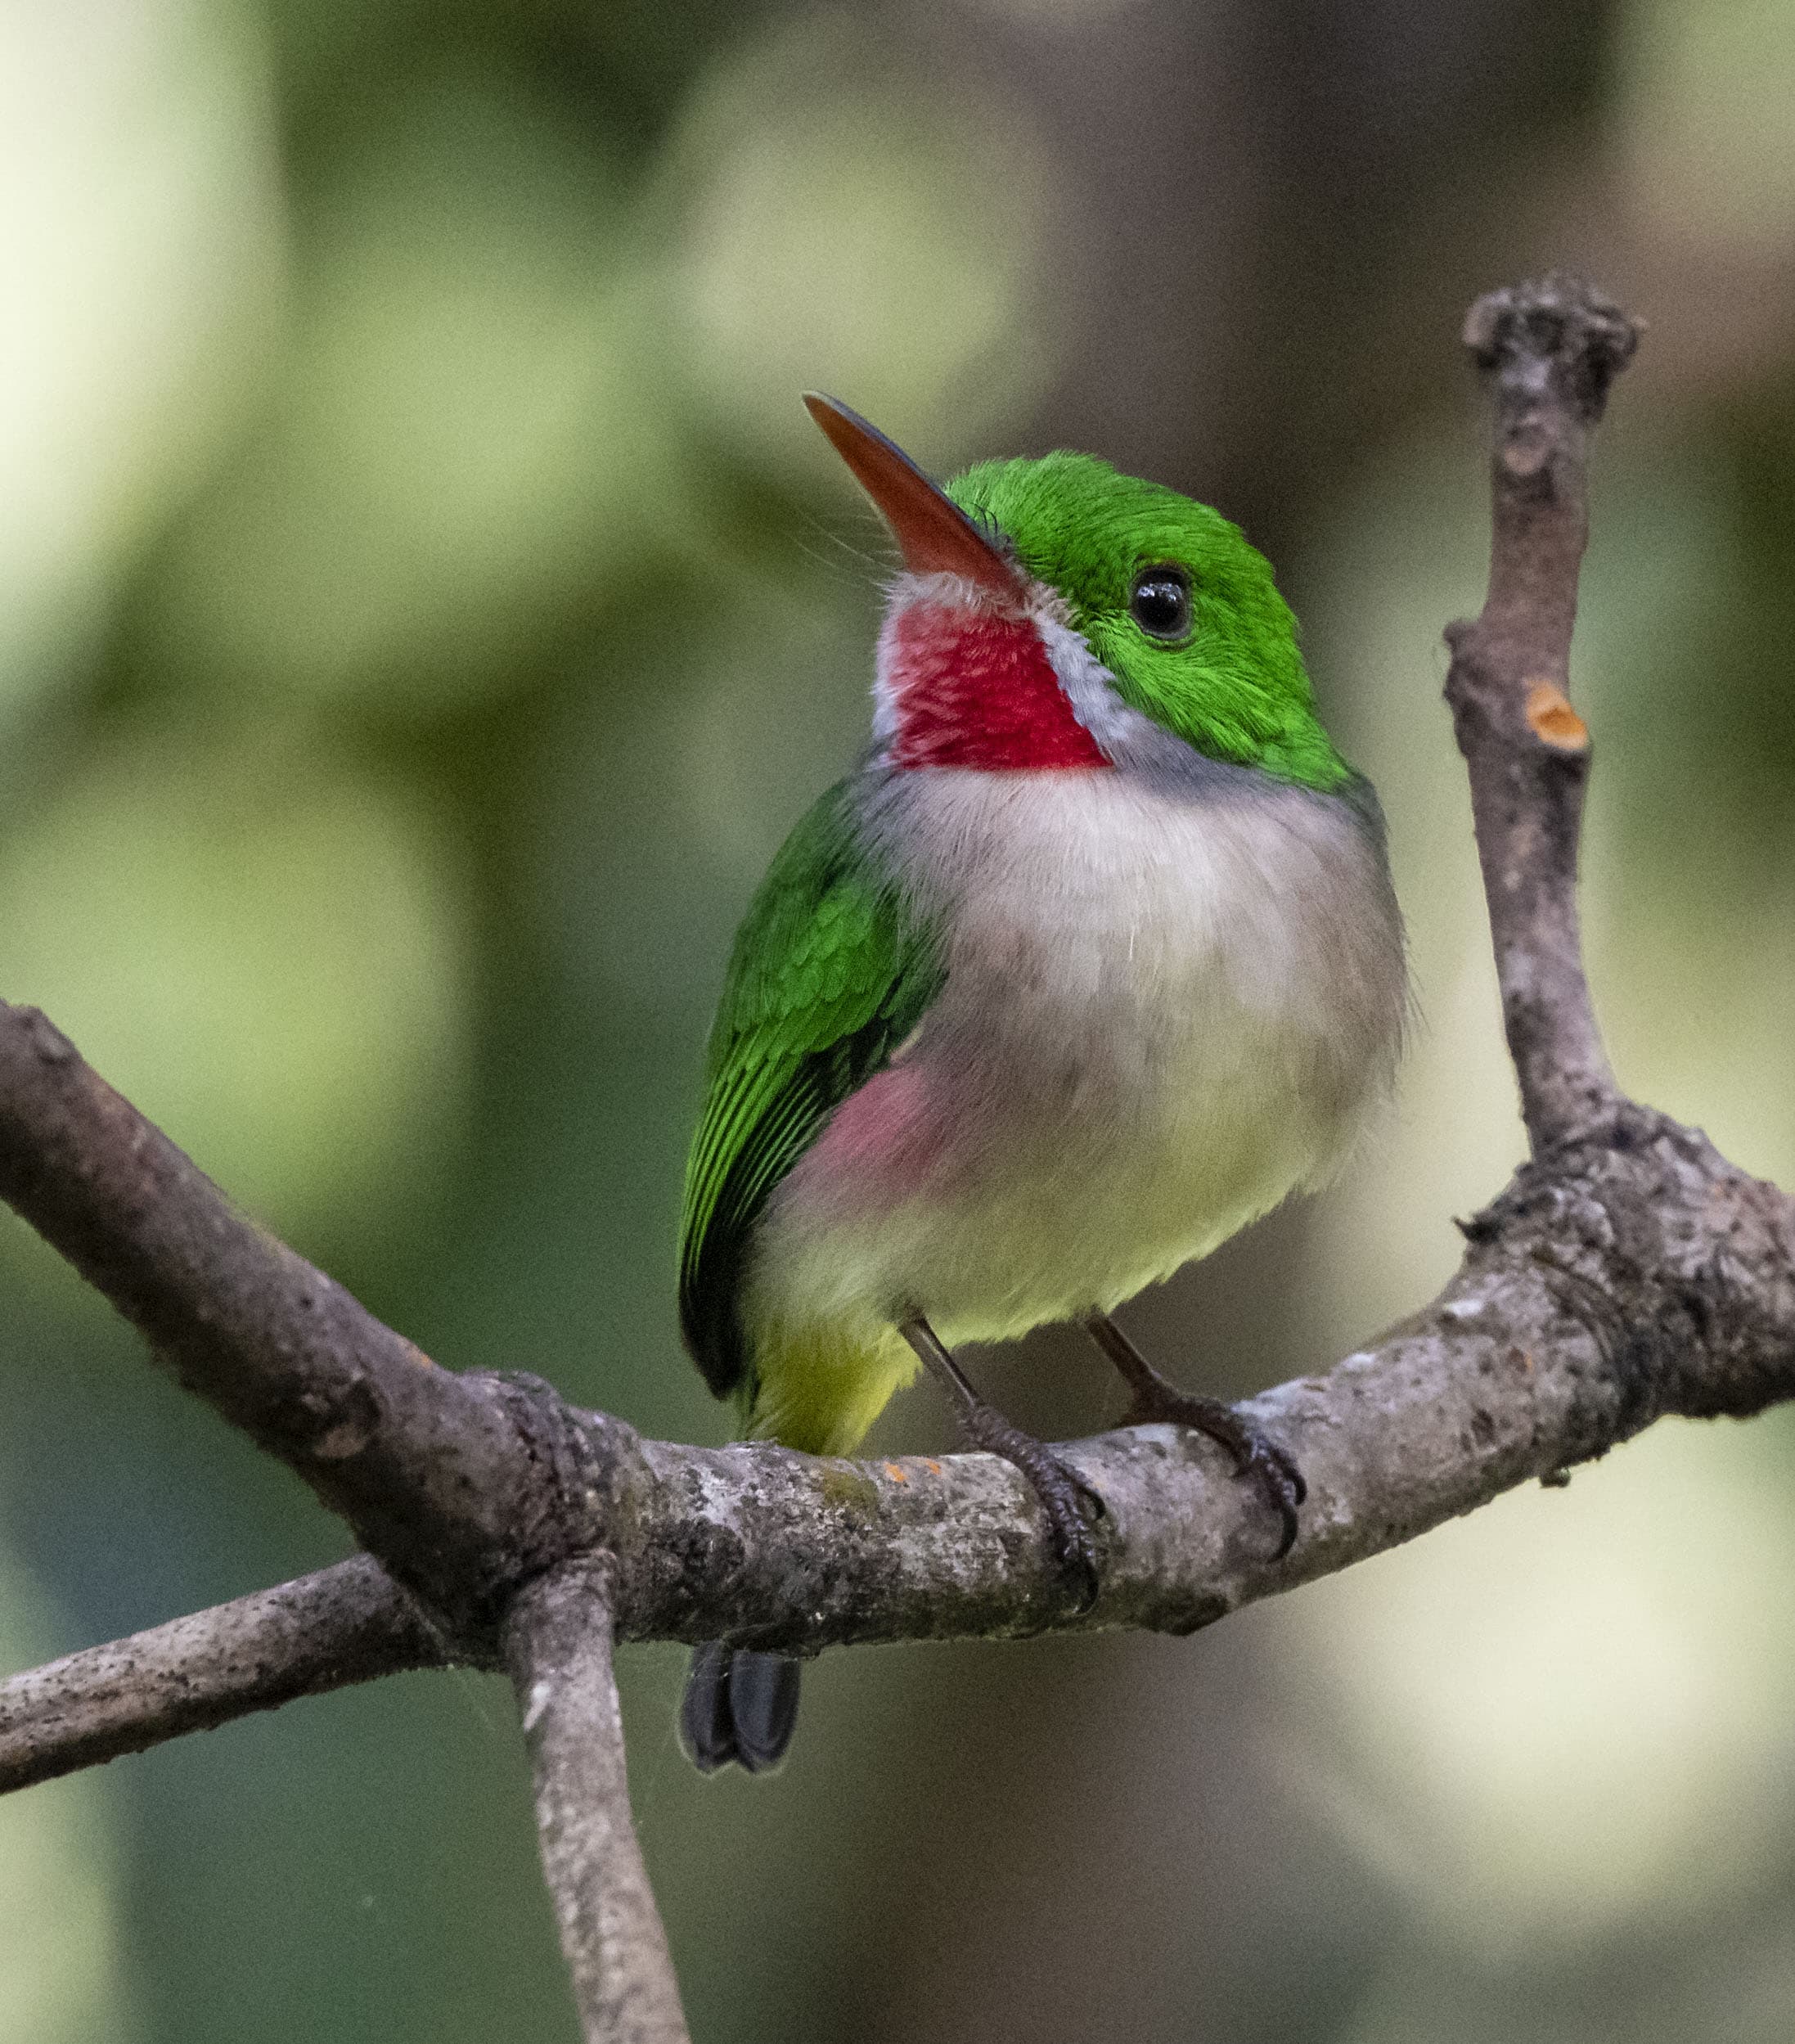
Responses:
[1090,686]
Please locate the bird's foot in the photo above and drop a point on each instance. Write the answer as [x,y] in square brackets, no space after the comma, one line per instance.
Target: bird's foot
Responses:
[1062,1493]
[1156,1399]
[1061,1489]
[1254,1456]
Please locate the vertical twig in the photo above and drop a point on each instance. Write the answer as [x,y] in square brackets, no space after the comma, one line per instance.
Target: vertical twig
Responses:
[558,1648]
[1548,351]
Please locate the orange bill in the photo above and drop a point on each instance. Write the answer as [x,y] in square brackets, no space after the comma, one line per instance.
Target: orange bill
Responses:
[933,533]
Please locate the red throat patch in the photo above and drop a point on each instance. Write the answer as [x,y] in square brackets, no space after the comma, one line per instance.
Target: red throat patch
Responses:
[967,688]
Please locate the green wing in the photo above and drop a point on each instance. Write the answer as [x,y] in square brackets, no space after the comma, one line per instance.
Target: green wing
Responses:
[828,977]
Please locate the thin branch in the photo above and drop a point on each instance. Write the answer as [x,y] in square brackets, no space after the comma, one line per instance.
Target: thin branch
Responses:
[558,1648]
[1549,352]
[345,1625]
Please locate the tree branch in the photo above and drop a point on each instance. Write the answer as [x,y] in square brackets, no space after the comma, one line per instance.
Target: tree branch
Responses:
[425,1465]
[1549,352]
[345,1625]
[558,1647]
[1634,1275]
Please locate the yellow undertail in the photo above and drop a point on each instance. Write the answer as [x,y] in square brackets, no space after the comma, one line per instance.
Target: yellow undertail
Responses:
[819,1389]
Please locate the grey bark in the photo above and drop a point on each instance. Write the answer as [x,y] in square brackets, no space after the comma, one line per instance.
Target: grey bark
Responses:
[1635,1274]
[344,1624]
[1549,352]
[558,1648]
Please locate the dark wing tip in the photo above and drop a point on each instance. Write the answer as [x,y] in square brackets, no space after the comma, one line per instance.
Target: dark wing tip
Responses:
[708,1321]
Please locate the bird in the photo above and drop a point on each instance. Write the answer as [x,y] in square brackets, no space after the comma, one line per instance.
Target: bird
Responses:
[1093,959]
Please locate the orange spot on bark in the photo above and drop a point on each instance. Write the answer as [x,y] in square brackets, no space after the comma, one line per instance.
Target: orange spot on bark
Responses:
[898,1476]
[933,1466]
[1551,719]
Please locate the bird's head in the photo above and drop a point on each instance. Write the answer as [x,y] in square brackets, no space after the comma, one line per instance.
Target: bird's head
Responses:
[1050,604]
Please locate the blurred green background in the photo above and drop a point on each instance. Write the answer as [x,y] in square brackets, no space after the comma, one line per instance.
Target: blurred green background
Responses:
[423,609]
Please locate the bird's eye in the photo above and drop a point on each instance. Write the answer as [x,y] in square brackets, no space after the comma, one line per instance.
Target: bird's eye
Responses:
[1159,601]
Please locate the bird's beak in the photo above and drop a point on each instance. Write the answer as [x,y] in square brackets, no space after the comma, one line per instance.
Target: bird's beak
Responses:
[934,534]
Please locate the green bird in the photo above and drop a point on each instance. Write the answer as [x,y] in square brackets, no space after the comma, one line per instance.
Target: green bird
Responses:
[1093,959]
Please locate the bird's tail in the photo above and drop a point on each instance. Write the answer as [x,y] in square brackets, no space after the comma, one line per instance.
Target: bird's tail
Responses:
[817,1389]
[739,1706]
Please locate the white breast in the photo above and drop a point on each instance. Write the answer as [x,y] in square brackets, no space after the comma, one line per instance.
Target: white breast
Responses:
[1164,1009]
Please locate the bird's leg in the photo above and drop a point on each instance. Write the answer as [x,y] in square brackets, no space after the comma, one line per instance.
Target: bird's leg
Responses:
[1058,1487]
[1155,1398]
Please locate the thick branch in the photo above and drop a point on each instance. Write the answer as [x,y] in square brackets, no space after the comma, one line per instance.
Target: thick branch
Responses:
[345,1625]
[558,1647]
[425,1465]
[1636,1275]
[1549,352]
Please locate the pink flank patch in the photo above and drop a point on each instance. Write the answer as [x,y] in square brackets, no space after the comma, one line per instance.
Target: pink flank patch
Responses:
[973,690]
[883,1142]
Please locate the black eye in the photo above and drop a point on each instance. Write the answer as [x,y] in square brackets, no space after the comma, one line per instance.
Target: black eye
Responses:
[1160,602]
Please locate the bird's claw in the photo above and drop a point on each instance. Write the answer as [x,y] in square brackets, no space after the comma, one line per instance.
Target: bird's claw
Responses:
[1255,1455]
[1063,1493]
[1281,1481]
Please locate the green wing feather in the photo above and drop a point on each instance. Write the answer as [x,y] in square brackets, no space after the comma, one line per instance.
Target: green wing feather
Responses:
[830,974]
